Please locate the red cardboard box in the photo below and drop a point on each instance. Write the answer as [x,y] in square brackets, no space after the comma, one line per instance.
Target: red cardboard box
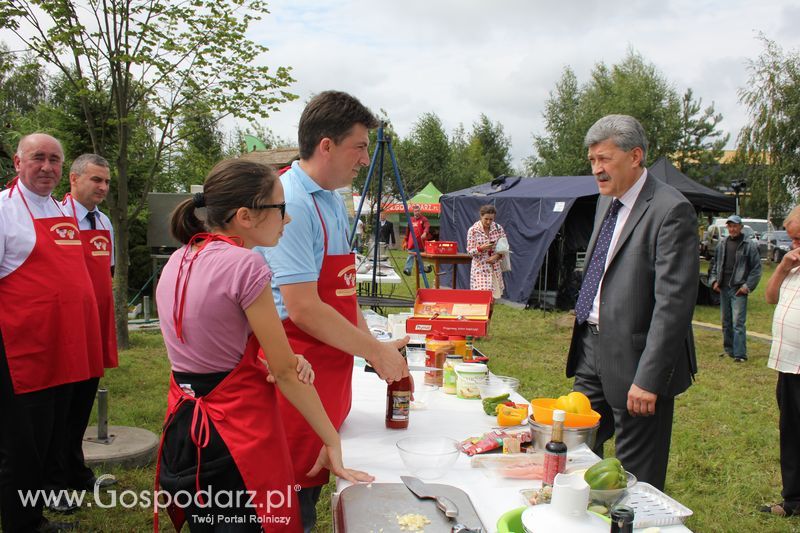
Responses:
[450,312]
[441,247]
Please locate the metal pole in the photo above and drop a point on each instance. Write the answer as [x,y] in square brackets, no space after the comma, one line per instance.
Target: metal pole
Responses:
[102,414]
[146,308]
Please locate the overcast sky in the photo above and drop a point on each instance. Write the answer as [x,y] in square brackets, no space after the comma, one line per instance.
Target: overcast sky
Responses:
[462,58]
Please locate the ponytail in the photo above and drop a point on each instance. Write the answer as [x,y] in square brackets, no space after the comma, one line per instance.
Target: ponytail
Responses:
[184,223]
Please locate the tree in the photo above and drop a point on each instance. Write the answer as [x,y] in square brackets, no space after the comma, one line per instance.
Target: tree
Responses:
[701,144]
[770,142]
[155,57]
[632,87]
[495,148]
[428,153]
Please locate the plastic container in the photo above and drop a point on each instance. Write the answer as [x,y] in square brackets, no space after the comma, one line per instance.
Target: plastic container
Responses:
[468,377]
[428,457]
[573,437]
[449,373]
[459,343]
[543,413]
[437,348]
[496,385]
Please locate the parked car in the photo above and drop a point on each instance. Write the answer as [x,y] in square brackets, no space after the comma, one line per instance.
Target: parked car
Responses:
[776,244]
[717,232]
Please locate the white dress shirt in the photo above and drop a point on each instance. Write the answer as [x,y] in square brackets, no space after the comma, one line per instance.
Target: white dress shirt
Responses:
[784,356]
[101,220]
[17,235]
[627,199]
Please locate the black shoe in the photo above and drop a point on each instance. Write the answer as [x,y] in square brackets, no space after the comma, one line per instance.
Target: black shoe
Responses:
[104,481]
[56,527]
[428,269]
[723,354]
[63,506]
[780,509]
[406,272]
[739,359]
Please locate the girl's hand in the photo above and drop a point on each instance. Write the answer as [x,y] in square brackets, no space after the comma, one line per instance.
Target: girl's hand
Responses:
[304,371]
[330,457]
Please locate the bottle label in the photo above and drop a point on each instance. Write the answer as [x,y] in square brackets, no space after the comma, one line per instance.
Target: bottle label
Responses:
[554,463]
[400,405]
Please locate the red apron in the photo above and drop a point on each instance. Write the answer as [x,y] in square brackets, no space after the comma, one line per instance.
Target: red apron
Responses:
[49,317]
[97,254]
[244,411]
[333,368]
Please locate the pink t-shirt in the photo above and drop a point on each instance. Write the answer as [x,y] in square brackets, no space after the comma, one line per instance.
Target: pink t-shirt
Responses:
[224,281]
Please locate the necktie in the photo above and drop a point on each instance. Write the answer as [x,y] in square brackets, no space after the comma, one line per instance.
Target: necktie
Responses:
[90,216]
[597,264]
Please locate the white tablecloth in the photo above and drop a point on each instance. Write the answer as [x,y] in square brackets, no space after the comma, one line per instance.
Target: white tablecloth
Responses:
[369,446]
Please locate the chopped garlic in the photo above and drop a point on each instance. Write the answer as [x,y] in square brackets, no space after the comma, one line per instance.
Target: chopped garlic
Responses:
[412,522]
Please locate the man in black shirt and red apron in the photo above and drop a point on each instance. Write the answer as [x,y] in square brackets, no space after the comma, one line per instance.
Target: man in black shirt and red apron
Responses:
[49,323]
[89,180]
[314,284]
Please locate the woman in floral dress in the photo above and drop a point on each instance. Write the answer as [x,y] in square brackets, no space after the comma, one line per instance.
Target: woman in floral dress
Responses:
[481,240]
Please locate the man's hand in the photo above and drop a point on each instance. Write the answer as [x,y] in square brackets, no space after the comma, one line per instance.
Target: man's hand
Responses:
[715,287]
[641,402]
[743,291]
[790,260]
[387,361]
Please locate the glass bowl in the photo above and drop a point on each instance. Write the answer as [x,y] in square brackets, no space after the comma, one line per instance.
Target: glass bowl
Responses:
[608,497]
[428,457]
[496,385]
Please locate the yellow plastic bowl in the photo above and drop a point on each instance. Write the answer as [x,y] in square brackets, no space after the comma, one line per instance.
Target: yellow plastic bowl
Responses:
[543,413]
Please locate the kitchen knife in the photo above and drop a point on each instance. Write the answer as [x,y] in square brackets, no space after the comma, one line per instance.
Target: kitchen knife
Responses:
[411,368]
[422,490]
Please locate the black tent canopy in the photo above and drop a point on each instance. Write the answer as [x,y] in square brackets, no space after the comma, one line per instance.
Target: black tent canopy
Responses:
[549,222]
[532,211]
[702,198]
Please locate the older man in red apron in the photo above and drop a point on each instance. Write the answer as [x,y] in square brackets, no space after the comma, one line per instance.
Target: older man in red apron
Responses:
[49,324]
[89,180]
[314,283]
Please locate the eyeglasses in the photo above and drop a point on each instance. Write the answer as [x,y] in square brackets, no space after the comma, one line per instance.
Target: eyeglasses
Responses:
[281,206]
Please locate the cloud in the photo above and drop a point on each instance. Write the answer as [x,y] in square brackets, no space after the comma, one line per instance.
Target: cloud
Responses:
[461,59]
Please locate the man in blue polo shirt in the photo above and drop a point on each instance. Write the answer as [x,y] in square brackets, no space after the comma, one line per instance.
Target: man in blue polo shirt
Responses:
[314,276]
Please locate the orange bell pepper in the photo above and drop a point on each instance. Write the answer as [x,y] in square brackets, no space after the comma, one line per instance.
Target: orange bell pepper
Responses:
[511,416]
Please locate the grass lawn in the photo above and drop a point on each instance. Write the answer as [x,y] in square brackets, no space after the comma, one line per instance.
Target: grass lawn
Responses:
[724,459]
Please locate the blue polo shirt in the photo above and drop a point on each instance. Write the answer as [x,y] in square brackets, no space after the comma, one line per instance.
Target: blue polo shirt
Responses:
[298,256]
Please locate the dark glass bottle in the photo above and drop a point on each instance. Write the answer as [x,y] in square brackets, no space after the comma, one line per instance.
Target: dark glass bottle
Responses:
[621,519]
[555,452]
[398,400]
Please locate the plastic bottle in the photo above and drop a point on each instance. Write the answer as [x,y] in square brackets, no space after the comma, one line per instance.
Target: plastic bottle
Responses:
[437,347]
[398,399]
[555,451]
[459,344]
[450,378]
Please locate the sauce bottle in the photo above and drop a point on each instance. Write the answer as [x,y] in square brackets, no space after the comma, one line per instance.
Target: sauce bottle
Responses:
[398,400]
[468,357]
[555,452]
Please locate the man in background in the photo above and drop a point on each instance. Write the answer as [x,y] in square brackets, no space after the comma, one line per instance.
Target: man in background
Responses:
[386,232]
[89,180]
[735,272]
[50,329]
[783,288]
[422,230]
[632,348]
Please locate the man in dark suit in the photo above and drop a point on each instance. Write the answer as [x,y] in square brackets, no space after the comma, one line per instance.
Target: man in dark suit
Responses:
[386,231]
[632,348]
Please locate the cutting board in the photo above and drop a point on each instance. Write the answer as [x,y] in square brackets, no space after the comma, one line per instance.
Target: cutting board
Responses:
[374,508]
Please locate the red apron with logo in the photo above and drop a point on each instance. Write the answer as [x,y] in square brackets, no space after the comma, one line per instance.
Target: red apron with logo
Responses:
[97,253]
[244,410]
[333,368]
[49,318]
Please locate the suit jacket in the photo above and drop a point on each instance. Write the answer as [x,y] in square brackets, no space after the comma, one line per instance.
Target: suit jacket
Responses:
[387,232]
[647,297]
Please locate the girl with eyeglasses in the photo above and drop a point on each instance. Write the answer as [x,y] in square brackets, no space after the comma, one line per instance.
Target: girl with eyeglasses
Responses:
[223,441]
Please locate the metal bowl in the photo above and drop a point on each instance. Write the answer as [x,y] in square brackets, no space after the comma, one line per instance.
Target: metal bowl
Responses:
[542,433]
